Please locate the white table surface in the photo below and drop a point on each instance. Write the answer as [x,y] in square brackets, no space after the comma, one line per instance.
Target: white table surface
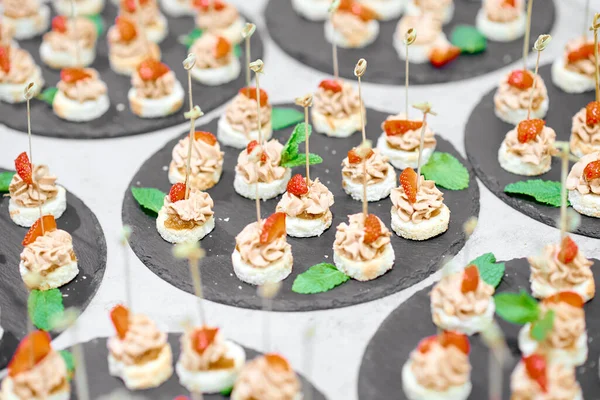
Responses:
[99,172]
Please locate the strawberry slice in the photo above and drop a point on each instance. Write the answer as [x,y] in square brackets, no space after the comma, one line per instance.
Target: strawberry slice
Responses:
[36,229]
[570,298]
[177,192]
[204,5]
[582,53]
[393,127]
[5,58]
[59,24]
[331,85]
[470,279]
[458,340]
[297,185]
[151,69]
[360,10]
[568,250]
[510,3]
[425,344]
[222,48]
[521,79]
[354,157]
[129,5]
[24,168]
[120,319]
[273,228]
[372,229]
[250,92]
[535,365]
[203,337]
[33,348]
[592,113]
[441,56]
[72,75]
[206,137]
[529,129]
[250,149]
[408,181]
[126,28]
[277,361]
[592,171]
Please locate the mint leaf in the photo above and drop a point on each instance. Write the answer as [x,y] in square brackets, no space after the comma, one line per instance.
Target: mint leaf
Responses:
[300,159]
[5,178]
[285,117]
[67,357]
[545,192]
[319,278]
[48,95]
[543,326]
[97,20]
[237,51]
[517,308]
[189,39]
[43,306]
[149,198]
[446,171]
[489,270]
[468,39]
[226,392]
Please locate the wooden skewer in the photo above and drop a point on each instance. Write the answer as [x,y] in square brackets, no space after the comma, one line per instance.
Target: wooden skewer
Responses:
[267,292]
[306,102]
[409,38]
[125,235]
[247,33]
[564,155]
[586,15]
[258,66]
[76,35]
[595,27]
[359,71]
[194,253]
[539,46]
[308,357]
[142,29]
[30,91]
[194,113]
[332,9]
[426,109]
[527,34]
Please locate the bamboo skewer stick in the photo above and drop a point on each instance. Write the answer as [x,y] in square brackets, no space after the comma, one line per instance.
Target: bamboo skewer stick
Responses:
[539,46]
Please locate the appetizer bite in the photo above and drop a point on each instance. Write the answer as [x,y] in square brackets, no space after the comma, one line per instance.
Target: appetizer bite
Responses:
[36,371]
[82,7]
[337,109]
[155,91]
[537,377]
[380,175]
[442,10]
[127,48]
[82,95]
[178,8]
[220,18]
[139,354]
[430,37]
[511,100]
[463,302]
[313,10]
[585,131]
[32,188]
[69,43]
[561,267]
[185,219]
[216,62]
[238,125]
[583,184]
[48,260]
[208,362]
[566,342]
[502,20]
[418,210]
[362,248]
[438,368]
[353,25]
[267,377]
[385,9]
[262,254]
[306,205]
[206,164]
[574,71]
[17,70]
[400,141]
[26,18]
[155,24]
[527,149]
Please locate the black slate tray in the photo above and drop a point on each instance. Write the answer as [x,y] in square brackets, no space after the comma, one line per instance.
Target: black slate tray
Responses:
[305,41]
[90,247]
[485,132]
[414,260]
[100,383]
[401,331]
[123,123]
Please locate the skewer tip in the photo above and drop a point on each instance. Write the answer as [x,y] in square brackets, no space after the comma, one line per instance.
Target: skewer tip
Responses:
[361,68]
[30,90]
[189,250]
[269,290]
[542,42]
[304,101]
[189,61]
[425,108]
[248,30]
[410,36]
[257,66]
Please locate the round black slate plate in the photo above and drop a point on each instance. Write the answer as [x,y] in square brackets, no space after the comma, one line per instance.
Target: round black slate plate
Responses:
[122,123]
[100,383]
[305,41]
[89,245]
[414,260]
[485,132]
[401,331]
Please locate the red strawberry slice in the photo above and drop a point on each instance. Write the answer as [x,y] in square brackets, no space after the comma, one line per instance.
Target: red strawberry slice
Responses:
[72,75]
[33,348]
[250,92]
[222,48]
[177,192]
[277,361]
[5,58]
[535,365]
[592,113]
[592,170]
[273,228]
[425,344]
[297,185]
[408,181]
[206,137]
[23,167]
[204,5]
[59,24]
[393,127]
[510,3]
[470,279]
[568,250]
[151,69]
[250,148]
[126,28]
[521,79]
[331,85]
[441,56]
[354,157]
[529,129]
[360,10]
[372,229]
[582,53]
[129,5]
[36,229]
[458,340]
[120,319]
[570,298]
[203,337]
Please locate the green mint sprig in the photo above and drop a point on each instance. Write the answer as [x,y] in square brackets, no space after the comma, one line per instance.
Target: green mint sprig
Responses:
[319,278]
[290,157]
